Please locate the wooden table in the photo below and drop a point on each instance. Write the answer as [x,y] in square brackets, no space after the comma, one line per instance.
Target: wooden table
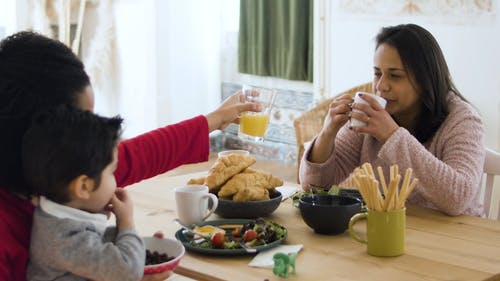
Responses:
[438,247]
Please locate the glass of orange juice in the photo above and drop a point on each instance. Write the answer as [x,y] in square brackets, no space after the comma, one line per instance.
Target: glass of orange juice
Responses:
[253,125]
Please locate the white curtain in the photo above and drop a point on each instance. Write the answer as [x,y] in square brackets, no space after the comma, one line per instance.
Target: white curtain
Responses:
[93,25]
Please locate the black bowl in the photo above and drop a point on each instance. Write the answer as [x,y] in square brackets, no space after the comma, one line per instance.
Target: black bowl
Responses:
[248,210]
[328,214]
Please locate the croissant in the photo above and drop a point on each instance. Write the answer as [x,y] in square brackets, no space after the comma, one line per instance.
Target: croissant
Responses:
[268,180]
[251,194]
[224,168]
[250,185]
[197,181]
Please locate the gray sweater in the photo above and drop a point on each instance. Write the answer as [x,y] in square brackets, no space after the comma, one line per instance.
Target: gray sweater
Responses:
[449,166]
[73,249]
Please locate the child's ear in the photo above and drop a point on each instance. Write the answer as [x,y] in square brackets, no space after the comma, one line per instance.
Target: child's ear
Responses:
[81,187]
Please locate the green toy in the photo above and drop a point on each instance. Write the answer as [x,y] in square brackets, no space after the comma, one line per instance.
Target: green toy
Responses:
[282,264]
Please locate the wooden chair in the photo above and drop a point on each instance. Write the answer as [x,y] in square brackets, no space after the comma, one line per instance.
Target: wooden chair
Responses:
[491,169]
[309,123]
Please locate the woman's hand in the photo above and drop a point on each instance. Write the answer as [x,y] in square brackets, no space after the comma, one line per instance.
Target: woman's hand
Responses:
[228,112]
[379,122]
[338,114]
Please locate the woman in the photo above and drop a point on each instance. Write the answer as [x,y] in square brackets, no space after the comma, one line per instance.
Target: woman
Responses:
[427,125]
[37,73]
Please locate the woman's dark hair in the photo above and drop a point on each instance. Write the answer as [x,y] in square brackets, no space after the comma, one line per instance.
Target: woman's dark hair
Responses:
[423,59]
[64,143]
[36,73]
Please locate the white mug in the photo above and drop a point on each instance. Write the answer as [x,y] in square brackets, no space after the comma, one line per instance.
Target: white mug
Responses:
[192,203]
[358,99]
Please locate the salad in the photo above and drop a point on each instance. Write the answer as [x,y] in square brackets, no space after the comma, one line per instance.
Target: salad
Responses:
[255,233]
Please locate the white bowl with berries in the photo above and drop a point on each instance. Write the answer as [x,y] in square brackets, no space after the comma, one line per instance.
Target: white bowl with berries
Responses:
[162,254]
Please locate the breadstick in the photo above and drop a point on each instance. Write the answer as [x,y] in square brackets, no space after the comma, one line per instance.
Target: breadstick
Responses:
[366,186]
[376,194]
[389,199]
[368,169]
[380,200]
[404,187]
[395,198]
[355,178]
[375,187]
[372,193]
[362,190]
[355,174]
[382,179]
[388,195]
[391,174]
[396,170]
[413,184]
[358,171]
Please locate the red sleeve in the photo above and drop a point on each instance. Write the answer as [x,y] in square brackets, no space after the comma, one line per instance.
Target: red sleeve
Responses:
[163,149]
[16,217]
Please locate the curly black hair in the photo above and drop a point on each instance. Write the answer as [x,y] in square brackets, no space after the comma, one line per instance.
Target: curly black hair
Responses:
[36,73]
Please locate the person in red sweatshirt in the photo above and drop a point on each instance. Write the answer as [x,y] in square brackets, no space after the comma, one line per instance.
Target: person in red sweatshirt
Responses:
[37,73]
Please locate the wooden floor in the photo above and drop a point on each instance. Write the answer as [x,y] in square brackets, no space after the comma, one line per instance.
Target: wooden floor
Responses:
[285,171]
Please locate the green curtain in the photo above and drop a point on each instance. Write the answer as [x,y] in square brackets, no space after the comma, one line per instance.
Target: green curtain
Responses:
[276,38]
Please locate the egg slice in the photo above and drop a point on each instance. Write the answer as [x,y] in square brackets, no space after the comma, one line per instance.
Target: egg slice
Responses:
[208,230]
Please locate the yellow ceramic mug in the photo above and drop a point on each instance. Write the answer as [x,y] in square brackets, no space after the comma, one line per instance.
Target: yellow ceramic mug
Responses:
[385,232]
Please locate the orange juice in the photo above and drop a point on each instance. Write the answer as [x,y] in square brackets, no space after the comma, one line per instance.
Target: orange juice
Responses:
[254,124]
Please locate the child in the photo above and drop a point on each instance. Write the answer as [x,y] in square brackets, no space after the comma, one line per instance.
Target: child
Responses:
[69,157]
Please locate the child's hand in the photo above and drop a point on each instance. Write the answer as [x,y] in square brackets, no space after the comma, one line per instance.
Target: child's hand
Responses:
[123,209]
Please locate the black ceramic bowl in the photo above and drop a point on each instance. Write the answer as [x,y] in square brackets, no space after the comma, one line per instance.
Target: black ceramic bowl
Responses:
[248,210]
[328,214]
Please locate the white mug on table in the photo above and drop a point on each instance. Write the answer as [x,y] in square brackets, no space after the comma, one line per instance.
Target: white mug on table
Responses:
[192,203]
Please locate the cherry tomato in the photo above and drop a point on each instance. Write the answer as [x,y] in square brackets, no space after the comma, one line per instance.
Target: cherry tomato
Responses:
[218,240]
[236,232]
[250,235]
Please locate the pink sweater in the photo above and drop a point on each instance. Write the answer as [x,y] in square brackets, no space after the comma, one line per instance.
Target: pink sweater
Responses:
[449,166]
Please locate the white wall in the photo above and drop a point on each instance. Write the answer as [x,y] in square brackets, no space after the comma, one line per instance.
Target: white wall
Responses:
[188,58]
[7,17]
[136,65]
[470,45]
[168,62]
